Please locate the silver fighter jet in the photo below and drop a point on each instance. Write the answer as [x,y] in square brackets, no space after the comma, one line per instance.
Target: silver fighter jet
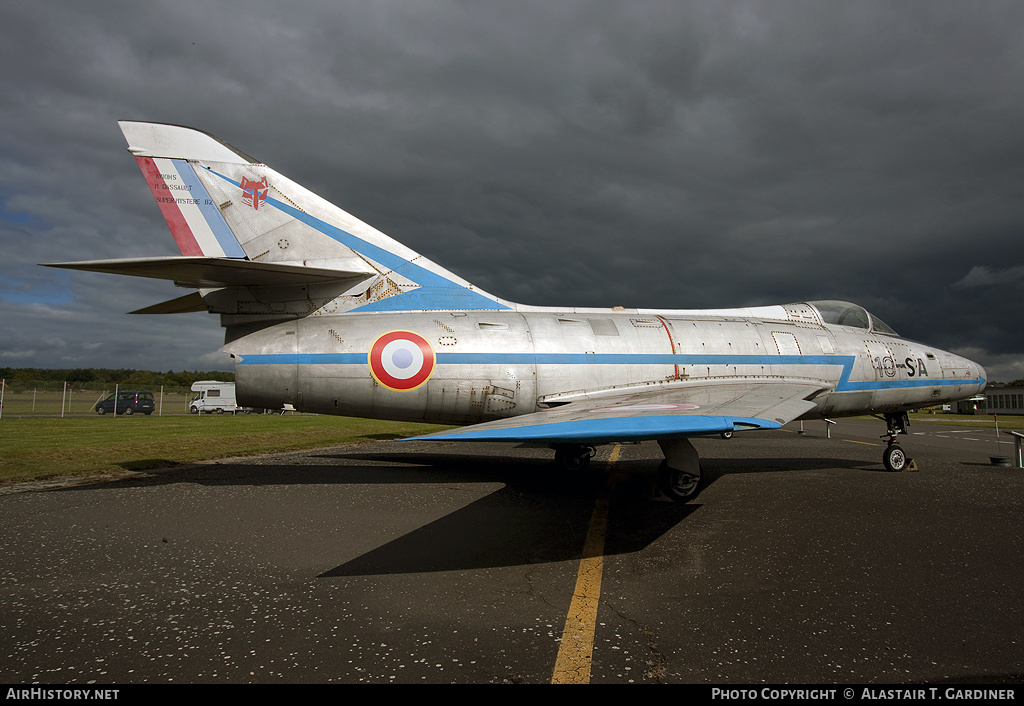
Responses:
[327,314]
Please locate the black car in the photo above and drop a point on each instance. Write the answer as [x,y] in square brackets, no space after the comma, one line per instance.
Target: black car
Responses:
[128,403]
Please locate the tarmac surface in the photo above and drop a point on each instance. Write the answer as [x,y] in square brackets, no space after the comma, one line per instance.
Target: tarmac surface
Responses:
[802,562]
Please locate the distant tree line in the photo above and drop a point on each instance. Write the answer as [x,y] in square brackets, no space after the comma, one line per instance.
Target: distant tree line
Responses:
[81,377]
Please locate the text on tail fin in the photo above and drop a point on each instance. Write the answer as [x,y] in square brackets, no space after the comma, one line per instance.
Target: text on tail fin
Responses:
[195,221]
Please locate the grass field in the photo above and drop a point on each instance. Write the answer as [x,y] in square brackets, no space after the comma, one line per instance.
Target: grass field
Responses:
[34,448]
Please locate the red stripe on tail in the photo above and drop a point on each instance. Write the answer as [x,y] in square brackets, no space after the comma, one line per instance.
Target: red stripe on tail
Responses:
[169,208]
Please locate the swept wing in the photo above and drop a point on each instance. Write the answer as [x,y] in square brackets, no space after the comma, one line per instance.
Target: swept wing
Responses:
[644,415]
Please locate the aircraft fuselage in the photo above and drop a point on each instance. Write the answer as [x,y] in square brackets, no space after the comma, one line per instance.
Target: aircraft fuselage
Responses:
[493,364]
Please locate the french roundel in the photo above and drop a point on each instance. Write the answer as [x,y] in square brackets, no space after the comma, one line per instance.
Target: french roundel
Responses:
[401,360]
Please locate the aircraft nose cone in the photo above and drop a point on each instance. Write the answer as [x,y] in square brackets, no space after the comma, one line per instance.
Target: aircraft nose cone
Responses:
[977,372]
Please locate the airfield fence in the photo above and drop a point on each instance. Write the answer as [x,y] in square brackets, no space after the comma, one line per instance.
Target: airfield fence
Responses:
[57,399]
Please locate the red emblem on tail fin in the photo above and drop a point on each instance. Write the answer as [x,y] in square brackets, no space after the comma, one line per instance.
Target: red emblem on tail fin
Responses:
[254,192]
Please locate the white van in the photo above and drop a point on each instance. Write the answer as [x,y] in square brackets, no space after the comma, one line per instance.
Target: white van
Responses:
[214,396]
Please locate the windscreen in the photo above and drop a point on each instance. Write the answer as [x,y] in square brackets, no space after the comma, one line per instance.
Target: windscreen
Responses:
[843,313]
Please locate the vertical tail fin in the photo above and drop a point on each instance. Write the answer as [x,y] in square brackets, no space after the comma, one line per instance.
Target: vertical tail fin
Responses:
[221,203]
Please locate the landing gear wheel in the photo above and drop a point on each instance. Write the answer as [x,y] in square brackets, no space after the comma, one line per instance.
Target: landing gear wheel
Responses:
[726,434]
[574,458]
[679,485]
[895,459]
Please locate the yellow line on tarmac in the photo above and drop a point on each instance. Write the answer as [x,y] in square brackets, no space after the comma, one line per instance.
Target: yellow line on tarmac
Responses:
[866,443]
[576,651]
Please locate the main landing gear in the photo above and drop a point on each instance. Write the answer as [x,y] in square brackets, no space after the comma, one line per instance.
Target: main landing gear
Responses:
[895,458]
[679,476]
[574,457]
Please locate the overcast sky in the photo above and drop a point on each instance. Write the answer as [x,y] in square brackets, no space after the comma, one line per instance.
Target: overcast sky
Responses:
[650,154]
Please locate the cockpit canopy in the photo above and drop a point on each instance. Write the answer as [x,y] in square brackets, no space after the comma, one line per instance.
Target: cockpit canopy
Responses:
[849,314]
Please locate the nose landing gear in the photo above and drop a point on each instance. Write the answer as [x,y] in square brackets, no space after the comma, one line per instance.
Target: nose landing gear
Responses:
[894,458]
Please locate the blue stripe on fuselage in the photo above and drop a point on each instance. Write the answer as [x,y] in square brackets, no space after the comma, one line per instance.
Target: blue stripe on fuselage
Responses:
[844,384]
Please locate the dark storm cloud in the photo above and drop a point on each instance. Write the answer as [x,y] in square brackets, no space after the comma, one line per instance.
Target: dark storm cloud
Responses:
[672,155]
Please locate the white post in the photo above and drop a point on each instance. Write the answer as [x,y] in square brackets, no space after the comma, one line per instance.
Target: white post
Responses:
[115,401]
[995,418]
[3,386]
[64,399]
[161,412]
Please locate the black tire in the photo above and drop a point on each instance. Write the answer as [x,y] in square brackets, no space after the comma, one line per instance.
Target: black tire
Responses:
[193,410]
[101,410]
[895,459]
[726,434]
[573,458]
[129,411]
[679,485]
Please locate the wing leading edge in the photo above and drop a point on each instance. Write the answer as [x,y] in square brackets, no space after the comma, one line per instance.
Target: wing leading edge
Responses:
[642,416]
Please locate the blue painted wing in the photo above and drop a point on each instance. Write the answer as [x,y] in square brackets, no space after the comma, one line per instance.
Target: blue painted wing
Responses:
[693,410]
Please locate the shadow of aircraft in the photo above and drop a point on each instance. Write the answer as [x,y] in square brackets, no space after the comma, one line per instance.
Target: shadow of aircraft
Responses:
[540,514]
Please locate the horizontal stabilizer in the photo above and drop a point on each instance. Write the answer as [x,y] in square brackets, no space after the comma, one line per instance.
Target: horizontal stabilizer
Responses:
[182,305]
[214,272]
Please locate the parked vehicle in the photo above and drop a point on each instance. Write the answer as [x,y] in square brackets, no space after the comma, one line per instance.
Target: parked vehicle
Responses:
[214,396]
[127,403]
